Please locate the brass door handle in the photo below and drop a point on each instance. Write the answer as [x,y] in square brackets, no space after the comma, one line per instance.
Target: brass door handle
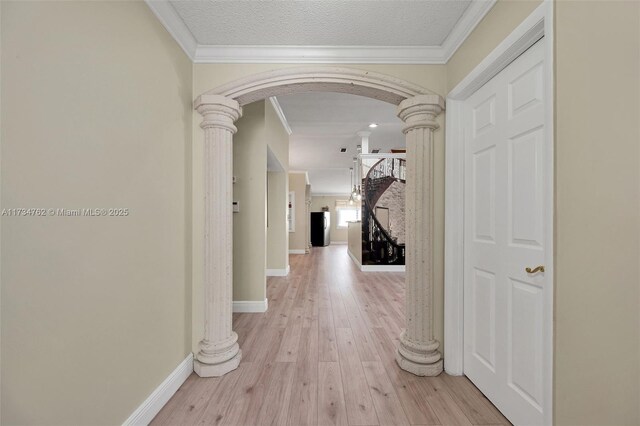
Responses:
[534,270]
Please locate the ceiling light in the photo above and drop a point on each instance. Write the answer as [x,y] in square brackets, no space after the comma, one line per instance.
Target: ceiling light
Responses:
[375,151]
[343,149]
[373,125]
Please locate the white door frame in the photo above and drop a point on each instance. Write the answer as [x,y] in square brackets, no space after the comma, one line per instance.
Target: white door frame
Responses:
[538,24]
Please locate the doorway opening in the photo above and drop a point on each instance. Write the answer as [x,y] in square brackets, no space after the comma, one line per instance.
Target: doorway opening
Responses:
[218,350]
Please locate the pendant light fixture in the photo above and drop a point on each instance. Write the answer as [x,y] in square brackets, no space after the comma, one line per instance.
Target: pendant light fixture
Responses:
[354,174]
[356,194]
[351,196]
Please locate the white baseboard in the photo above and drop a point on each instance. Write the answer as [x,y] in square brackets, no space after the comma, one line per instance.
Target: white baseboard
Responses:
[376,268]
[297,251]
[355,260]
[383,268]
[279,272]
[161,395]
[241,306]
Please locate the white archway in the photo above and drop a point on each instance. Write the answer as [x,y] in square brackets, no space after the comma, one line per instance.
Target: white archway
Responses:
[418,108]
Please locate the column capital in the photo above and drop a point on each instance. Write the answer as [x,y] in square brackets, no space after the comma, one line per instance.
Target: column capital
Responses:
[218,111]
[420,111]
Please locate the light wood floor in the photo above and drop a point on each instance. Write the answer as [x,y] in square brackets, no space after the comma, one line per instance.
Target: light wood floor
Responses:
[323,354]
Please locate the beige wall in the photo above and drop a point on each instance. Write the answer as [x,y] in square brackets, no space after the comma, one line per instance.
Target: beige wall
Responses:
[597,102]
[297,239]
[276,136]
[354,234]
[278,188]
[255,245]
[501,20]
[277,233]
[338,235]
[96,113]
[249,225]
[597,213]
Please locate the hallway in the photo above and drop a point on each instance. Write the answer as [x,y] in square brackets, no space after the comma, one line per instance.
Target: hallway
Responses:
[324,353]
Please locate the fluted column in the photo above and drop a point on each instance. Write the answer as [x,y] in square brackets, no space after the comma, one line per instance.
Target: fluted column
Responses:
[418,350]
[219,351]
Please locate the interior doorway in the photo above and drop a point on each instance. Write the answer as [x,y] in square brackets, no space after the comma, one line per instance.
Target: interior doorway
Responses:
[499,208]
[219,352]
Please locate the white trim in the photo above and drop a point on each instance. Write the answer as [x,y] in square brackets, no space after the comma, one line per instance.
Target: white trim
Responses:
[523,37]
[535,26]
[278,272]
[329,194]
[383,268]
[548,333]
[355,260]
[297,251]
[174,24]
[211,54]
[242,306]
[280,112]
[465,25]
[454,240]
[246,54]
[161,395]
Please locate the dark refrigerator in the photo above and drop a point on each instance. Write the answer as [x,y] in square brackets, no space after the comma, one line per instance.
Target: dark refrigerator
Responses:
[320,226]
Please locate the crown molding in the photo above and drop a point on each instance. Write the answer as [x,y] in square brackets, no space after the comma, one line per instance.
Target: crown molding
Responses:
[280,112]
[320,54]
[169,18]
[465,25]
[426,55]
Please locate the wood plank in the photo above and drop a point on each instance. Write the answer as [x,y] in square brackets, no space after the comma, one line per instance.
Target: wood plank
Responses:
[340,318]
[331,401]
[291,340]
[472,402]
[275,405]
[304,400]
[385,400]
[439,399]
[328,349]
[358,400]
[213,413]
[415,406]
[366,349]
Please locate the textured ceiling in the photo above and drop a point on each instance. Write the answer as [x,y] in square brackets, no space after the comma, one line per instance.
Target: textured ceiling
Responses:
[321,23]
[322,123]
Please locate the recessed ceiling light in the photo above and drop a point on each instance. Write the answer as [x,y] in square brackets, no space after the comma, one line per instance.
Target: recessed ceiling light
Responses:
[375,151]
[373,125]
[343,149]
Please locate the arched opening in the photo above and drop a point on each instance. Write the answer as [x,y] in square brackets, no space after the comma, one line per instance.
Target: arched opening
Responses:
[418,108]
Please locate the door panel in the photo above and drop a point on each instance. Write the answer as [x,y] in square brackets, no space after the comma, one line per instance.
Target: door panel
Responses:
[525,334]
[484,318]
[484,195]
[526,188]
[504,234]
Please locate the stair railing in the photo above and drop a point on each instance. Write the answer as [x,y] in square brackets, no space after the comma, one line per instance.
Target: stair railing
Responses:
[381,247]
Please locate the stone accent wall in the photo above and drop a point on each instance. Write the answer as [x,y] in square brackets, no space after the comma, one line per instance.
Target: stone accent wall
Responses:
[393,199]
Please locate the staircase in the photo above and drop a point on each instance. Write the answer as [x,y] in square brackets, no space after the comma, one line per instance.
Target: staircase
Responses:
[378,247]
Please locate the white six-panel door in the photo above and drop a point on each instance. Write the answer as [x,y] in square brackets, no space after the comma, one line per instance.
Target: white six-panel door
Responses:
[504,234]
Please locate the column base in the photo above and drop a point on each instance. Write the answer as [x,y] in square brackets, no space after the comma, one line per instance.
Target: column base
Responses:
[428,370]
[421,360]
[217,370]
